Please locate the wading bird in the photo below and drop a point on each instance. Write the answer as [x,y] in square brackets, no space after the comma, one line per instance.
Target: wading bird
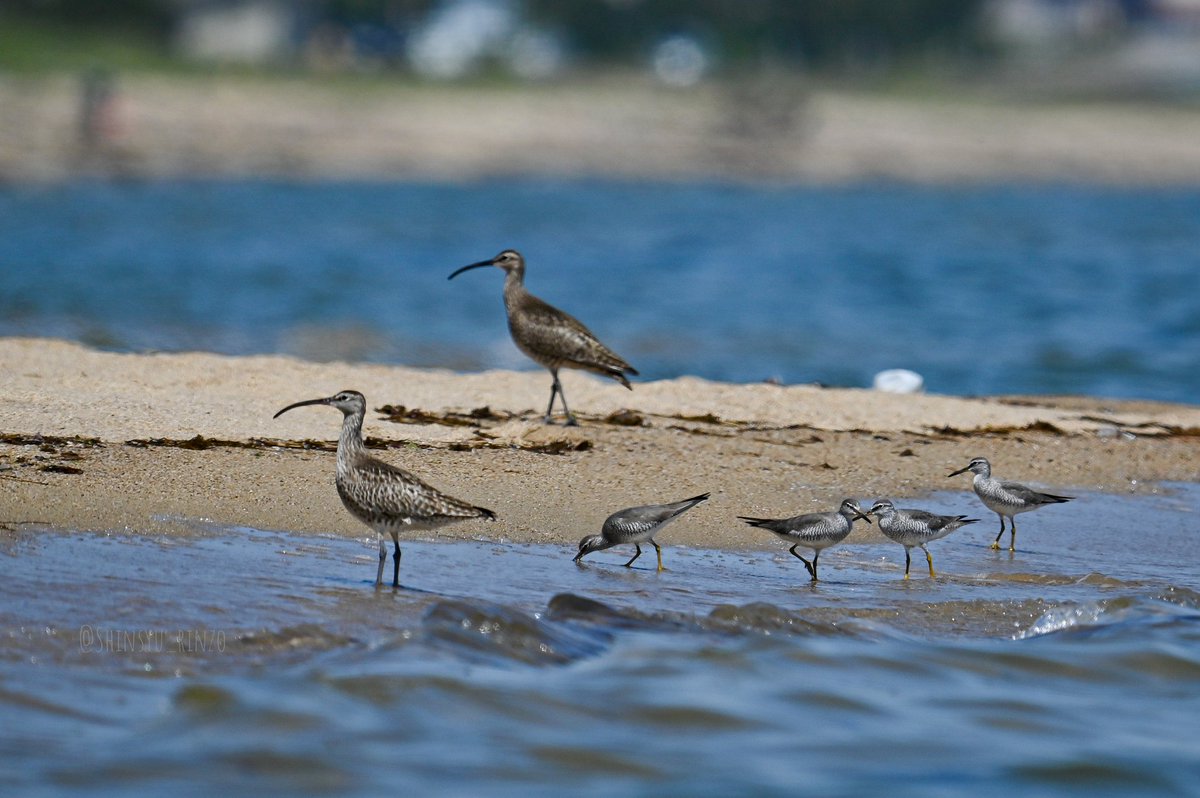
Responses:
[386,498]
[550,337]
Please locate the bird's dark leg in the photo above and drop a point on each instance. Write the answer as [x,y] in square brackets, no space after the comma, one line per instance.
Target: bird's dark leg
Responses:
[571,422]
[396,563]
[382,558]
[816,556]
[807,565]
[929,559]
[1012,528]
[1000,534]
[658,551]
[907,562]
[634,557]
[554,388]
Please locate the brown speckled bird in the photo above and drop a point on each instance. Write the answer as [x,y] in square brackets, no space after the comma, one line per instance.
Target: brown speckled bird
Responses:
[549,336]
[382,496]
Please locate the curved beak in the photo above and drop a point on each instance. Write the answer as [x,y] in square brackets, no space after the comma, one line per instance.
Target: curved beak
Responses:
[324,401]
[959,471]
[481,264]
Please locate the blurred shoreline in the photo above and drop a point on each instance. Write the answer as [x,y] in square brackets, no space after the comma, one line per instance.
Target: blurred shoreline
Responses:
[770,128]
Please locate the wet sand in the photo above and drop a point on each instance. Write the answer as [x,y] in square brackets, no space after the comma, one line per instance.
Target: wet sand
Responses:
[771,128]
[144,443]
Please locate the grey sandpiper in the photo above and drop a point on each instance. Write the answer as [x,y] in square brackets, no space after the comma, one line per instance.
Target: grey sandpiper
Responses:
[550,337]
[382,496]
[1006,499]
[816,531]
[915,528]
[637,525]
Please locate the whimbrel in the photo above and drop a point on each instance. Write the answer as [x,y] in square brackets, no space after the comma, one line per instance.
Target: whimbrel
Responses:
[382,496]
[1006,499]
[549,336]
[816,531]
[637,525]
[915,528]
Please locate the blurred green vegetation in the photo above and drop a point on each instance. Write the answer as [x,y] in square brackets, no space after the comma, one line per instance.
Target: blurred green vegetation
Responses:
[32,44]
[816,33]
[823,35]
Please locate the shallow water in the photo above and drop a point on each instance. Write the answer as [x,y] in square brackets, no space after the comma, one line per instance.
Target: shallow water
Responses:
[250,660]
[986,290]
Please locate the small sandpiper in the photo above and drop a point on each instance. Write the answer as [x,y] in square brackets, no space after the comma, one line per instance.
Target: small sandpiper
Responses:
[816,531]
[915,528]
[386,498]
[547,335]
[1006,499]
[637,525]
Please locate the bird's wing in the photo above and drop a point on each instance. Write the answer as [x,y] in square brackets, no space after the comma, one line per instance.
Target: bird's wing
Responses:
[934,521]
[546,329]
[781,525]
[1027,495]
[379,486]
[1017,493]
[624,523]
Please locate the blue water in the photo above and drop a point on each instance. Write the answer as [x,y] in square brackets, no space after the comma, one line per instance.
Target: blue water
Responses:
[1007,289]
[238,661]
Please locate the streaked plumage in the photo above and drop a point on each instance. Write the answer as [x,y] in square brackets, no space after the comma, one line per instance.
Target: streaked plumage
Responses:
[816,531]
[915,528]
[637,525]
[384,497]
[1006,499]
[550,337]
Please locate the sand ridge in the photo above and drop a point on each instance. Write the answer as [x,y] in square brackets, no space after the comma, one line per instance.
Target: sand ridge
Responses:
[153,442]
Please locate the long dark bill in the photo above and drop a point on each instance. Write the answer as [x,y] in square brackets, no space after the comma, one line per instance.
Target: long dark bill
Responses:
[306,402]
[479,265]
[959,471]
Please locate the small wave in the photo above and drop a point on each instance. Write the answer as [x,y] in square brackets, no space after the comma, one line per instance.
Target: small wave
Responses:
[1095,616]
[305,637]
[498,634]
[767,618]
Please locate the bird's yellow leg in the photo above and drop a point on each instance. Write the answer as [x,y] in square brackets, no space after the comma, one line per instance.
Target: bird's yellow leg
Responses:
[929,559]
[658,551]
[1012,541]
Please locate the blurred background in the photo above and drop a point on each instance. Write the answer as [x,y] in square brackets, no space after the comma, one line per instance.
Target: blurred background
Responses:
[1001,195]
[1087,45]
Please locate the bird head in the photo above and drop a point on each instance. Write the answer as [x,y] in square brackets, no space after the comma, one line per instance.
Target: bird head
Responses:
[850,508]
[978,465]
[589,544]
[881,508]
[349,402]
[509,260]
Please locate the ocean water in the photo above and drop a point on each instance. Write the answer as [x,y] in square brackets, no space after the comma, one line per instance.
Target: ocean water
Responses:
[983,290]
[240,661]
[262,661]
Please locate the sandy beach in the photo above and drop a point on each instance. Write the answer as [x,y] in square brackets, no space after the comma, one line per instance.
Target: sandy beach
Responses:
[153,442]
[771,128]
